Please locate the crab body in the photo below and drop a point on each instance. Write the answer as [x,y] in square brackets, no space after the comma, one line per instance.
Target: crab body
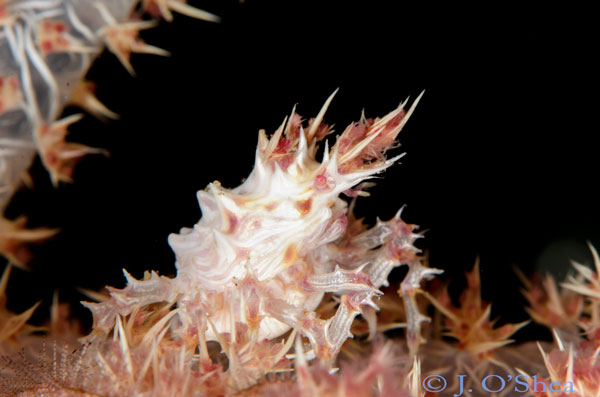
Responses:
[259,261]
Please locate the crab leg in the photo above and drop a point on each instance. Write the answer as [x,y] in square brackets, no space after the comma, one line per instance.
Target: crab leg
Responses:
[341,281]
[409,288]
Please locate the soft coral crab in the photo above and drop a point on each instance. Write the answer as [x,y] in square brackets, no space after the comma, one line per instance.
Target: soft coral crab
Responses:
[260,259]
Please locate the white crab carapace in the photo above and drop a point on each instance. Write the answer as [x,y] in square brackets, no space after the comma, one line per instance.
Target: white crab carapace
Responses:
[264,253]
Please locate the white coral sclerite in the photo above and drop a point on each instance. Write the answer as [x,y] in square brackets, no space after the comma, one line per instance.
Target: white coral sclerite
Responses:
[260,259]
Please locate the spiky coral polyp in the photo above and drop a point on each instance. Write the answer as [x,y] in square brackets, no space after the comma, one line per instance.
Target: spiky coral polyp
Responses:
[470,323]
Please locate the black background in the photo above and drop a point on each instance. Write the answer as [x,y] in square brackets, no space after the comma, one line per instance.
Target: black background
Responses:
[501,152]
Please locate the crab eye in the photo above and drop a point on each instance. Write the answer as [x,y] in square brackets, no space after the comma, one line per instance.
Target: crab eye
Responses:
[321,182]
